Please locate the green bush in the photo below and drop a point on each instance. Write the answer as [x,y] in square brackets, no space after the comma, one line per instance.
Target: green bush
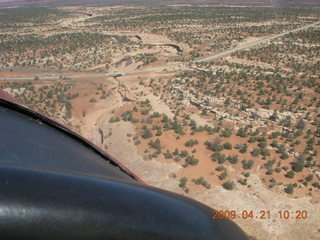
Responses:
[218,157]
[298,166]
[201,181]
[269,172]
[228,185]
[223,175]
[155,144]
[264,152]
[214,145]
[233,159]
[168,155]
[144,111]
[112,119]
[284,156]
[191,143]
[290,174]
[247,164]
[146,133]
[176,152]
[183,182]
[289,189]
[127,116]
[274,144]
[309,177]
[256,152]
[226,133]
[155,154]
[242,132]
[242,148]
[192,160]
[155,115]
[227,146]
[184,154]
[243,181]
[220,168]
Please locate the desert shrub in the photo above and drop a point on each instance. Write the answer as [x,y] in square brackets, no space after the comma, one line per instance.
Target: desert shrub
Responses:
[247,164]
[214,145]
[146,133]
[252,139]
[159,132]
[155,115]
[256,152]
[274,144]
[269,172]
[220,168]
[223,175]
[227,146]
[218,157]
[298,166]
[242,148]
[226,133]
[242,132]
[301,124]
[284,156]
[290,174]
[191,143]
[309,177]
[184,154]
[289,189]
[127,116]
[264,152]
[243,181]
[274,135]
[191,160]
[112,119]
[176,152]
[155,154]
[233,159]
[155,144]
[168,155]
[183,181]
[144,111]
[229,185]
[201,181]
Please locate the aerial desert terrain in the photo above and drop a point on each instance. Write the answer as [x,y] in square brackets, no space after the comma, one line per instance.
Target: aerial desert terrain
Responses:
[218,102]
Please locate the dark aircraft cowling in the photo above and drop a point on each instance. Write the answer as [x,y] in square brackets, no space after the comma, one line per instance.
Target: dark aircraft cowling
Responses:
[50,205]
[56,185]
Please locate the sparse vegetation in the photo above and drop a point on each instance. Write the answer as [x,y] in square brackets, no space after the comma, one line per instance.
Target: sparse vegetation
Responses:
[252,114]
